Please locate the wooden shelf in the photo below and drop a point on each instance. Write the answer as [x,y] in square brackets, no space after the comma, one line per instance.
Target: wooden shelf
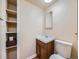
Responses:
[14,2]
[11,13]
[10,32]
[11,22]
[11,47]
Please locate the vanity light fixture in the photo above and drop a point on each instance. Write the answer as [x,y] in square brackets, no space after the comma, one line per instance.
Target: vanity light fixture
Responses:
[47,1]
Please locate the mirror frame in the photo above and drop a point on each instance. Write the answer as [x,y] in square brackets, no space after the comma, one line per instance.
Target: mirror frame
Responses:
[51,20]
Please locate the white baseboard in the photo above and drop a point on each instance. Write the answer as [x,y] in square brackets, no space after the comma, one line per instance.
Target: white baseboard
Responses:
[30,57]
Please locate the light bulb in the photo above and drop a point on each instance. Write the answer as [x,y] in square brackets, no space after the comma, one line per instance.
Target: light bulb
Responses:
[47,1]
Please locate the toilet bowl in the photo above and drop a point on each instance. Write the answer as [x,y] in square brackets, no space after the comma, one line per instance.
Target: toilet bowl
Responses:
[56,56]
[62,50]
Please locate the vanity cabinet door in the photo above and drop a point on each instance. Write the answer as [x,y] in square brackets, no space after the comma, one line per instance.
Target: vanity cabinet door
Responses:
[43,54]
[50,48]
[38,49]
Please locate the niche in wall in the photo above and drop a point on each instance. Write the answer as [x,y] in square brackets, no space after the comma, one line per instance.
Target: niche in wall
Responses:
[49,21]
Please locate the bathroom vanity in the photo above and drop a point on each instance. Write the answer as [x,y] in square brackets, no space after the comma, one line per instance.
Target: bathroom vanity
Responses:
[44,47]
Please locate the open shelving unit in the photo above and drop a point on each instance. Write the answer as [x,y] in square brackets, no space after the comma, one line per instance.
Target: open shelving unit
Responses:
[11,34]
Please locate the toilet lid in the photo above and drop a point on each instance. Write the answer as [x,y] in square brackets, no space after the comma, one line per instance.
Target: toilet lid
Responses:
[56,56]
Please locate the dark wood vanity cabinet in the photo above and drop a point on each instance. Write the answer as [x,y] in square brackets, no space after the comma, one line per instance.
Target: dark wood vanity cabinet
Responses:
[44,50]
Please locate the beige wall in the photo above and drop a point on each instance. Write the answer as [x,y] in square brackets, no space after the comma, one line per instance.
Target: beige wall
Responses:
[0,7]
[3,9]
[2,39]
[3,29]
[65,22]
[30,20]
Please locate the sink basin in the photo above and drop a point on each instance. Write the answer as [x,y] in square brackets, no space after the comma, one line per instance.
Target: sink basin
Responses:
[45,38]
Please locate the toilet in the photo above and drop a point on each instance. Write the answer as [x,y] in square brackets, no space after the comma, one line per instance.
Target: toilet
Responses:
[62,50]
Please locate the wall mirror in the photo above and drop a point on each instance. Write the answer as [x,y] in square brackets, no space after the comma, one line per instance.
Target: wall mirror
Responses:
[49,21]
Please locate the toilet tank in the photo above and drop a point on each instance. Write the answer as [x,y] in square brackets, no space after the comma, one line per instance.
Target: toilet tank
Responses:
[63,48]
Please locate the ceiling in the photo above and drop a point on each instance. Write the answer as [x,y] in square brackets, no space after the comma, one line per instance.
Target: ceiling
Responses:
[41,3]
